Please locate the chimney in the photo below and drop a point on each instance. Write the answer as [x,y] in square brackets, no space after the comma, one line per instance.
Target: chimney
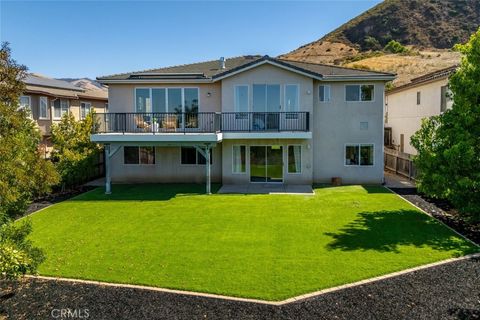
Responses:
[222,62]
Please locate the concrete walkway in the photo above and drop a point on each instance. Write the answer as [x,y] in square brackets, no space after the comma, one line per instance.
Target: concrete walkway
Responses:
[393,180]
[267,188]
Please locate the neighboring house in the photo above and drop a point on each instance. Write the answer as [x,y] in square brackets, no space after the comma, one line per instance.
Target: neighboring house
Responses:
[48,99]
[253,118]
[407,105]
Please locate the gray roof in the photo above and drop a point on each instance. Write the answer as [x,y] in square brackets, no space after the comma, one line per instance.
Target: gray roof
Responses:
[431,76]
[210,70]
[36,80]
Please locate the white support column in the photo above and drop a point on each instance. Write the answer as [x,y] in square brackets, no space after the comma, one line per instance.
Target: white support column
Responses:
[209,185]
[108,187]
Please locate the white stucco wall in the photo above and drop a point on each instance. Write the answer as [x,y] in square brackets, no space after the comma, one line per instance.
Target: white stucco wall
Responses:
[337,123]
[404,116]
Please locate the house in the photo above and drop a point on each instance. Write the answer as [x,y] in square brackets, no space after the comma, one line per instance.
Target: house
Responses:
[48,99]
[407,105]
[248,119]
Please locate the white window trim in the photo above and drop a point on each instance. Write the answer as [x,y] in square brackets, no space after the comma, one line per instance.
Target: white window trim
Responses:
[324,95]
[196,158]
[233,167]
[61,114]
[285,97]
[359,150]
[235,107]
[86,113]
[29,102]
[40,108]
[141,164]
[301,156]
[359,92]
[166,96]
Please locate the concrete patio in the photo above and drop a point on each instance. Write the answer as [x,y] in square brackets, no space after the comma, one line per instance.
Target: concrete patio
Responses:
[267,188]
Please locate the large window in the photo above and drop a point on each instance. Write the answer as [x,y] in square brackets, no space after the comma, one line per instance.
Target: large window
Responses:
[359,155]
[175,100]
[190,155]
[294,159]
[25,103]
[139,155]
[356,92]
[324,93]
[241,100]
[291,97]
[239,160]
[43,108]
[85,108]
[60,107]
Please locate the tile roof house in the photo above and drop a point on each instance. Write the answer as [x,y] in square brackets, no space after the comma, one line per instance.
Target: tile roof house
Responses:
[249,119]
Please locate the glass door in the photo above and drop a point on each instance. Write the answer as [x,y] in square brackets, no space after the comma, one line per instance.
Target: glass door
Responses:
[266,164]
[266,107]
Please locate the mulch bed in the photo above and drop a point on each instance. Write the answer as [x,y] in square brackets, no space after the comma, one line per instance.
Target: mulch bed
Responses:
[449,291]
[443,211]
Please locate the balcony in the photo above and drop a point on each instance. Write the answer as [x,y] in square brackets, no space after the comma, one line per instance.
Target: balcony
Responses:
[202,122]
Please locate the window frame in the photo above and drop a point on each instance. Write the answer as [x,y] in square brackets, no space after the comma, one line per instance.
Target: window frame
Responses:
[359,145]
[86,113]
[359,92]
[138,158]
[67,109]
[45,98]
[29,102]
[324,95]
[233,165]
[196,157]
[288,158]
[297,98]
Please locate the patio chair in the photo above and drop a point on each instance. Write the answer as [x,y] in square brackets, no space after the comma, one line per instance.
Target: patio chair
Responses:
[141,124]
[169,122]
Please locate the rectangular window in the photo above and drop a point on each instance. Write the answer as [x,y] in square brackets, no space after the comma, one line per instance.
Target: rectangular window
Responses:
[43,108]
[359,155]
[324,93]
[25,103]
[142,100]
[239,159]
[359,92]
[291,98]
[85,108]
[294,159]
[159,100]
[445,98]
[418,97]
[139,155]
[60,107]
[190,155]
[191,100]
[241,102]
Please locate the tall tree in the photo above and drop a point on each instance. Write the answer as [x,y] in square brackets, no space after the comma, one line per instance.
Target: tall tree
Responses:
[449,144]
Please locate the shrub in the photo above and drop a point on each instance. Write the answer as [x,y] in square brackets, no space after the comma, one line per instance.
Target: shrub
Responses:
[395,47]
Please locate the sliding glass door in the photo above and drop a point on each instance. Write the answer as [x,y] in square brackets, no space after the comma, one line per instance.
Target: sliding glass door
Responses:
[266,105]
[266,164]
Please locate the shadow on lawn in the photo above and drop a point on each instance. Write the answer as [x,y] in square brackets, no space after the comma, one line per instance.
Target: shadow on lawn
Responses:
[146,192]
[387,230]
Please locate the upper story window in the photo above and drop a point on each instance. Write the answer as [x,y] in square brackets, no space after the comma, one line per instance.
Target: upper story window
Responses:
[445,98]
[85,108]
[291,97]
[43,108]
[324,93]
[25,103]
[241,98]
[175,100]
[418,97]
[357,92]
[60,107]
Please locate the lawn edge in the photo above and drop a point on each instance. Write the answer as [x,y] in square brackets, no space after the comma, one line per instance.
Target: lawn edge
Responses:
[260,301]
[428,214]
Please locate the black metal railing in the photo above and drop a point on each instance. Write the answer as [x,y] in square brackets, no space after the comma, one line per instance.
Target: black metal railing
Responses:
[201,122]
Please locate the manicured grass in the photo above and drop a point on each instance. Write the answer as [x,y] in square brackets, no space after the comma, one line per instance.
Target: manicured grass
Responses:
[258,246]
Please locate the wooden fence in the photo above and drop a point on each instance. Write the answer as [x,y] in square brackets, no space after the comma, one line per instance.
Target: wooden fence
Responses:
[400,163]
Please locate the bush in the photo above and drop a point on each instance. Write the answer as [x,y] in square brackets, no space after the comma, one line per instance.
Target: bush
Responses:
[395,47]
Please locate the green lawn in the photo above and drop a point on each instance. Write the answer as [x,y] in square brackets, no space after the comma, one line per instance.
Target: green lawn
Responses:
[258,246]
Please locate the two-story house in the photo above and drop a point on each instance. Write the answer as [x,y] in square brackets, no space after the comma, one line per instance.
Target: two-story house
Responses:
[407,105]
[248,119]
[48,99]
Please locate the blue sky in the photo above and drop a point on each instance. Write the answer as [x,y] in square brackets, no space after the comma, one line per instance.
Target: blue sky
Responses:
[93,38]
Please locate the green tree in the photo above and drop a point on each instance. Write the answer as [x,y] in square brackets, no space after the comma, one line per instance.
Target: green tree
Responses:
[449,144]
[23,173]
[73,152]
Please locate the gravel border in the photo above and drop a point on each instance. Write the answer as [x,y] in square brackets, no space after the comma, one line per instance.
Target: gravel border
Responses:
[449,291]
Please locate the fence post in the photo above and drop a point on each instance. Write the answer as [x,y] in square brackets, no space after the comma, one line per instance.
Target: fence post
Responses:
[396,164]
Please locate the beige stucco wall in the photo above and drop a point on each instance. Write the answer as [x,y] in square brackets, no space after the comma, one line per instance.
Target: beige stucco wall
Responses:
[337,123]
[403,114]
[121,97]
[305,177]
[167,168]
